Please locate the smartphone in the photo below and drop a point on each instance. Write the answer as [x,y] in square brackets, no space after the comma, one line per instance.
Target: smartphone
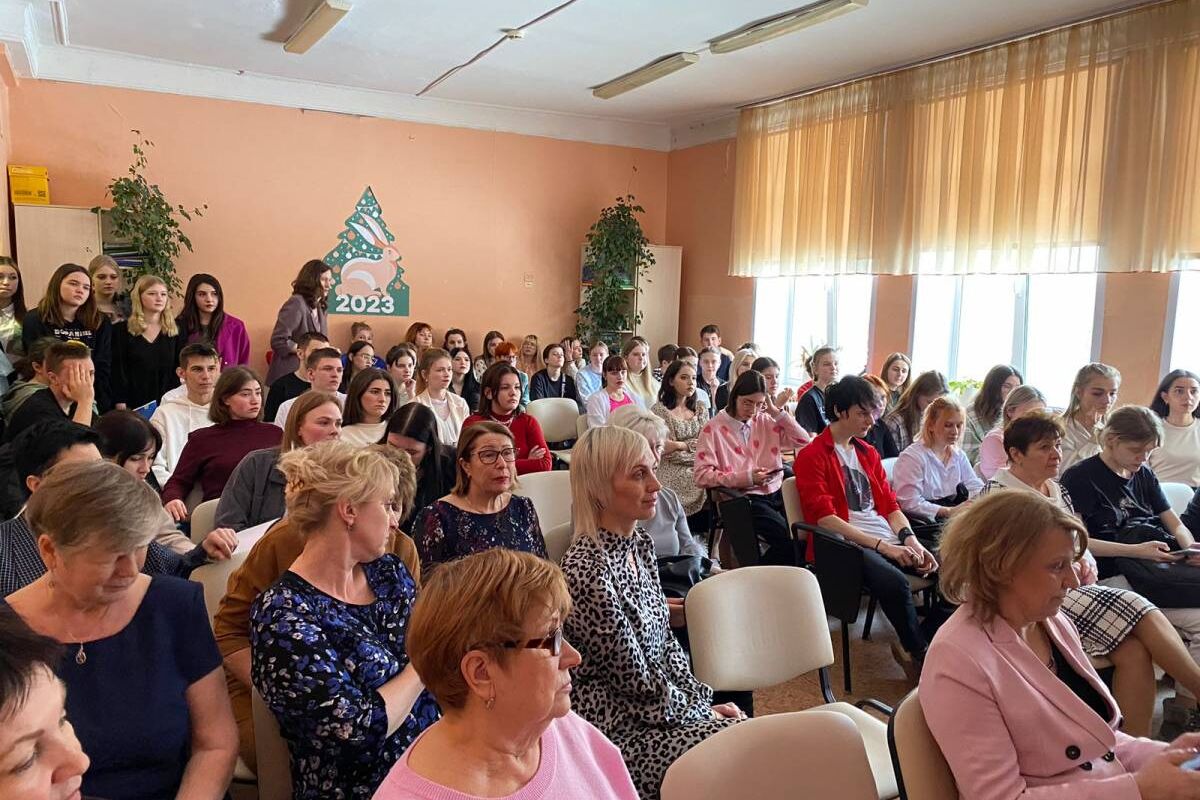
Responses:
[1192,764]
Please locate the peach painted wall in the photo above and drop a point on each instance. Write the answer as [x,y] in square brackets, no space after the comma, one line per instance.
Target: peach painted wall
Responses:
[474,212]
[700,219]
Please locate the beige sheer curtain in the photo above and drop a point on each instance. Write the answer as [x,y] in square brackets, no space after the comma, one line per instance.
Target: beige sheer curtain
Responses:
[1075,150]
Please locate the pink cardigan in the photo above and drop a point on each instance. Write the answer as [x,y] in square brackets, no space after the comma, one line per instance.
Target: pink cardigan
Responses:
[725,458]
[1010,728]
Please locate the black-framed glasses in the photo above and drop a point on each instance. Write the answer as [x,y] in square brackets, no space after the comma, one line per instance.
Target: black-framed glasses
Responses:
[551,641]
[509,454]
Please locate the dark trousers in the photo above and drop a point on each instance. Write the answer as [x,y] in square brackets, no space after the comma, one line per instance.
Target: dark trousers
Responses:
[889,586]
[771,528]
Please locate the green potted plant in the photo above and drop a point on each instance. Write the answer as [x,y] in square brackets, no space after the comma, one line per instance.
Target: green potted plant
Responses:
[144,221]
[617,254]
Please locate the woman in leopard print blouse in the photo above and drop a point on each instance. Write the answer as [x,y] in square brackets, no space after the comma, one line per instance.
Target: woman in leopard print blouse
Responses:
[634,683]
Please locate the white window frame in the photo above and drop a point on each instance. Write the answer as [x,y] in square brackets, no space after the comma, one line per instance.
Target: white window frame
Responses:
[1167,355]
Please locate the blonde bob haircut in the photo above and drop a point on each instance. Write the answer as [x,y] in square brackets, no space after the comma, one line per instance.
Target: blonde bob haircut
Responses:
[639,420]
[475,603]
[599,455]
[1134,424]
[938,406]
[467,442]
[320,475]
[984,547]
[95,504]
[137,314]
[301,408]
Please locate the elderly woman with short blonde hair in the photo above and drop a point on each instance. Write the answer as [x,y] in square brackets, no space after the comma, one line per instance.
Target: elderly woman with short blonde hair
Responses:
[145,689]
[635,683]
[1007,689]
[486,636]
[327,640]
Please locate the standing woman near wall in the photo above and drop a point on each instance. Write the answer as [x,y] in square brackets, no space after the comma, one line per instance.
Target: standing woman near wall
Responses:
[107,288]
[12,306]
[68,311]
[304,311]
[144,347]
[203,319]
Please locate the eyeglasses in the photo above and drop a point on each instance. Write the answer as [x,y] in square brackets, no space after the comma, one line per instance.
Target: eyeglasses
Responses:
[551,641]
[509,454]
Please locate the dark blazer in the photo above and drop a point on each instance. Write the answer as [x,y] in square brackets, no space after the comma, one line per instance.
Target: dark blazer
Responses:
[295,319]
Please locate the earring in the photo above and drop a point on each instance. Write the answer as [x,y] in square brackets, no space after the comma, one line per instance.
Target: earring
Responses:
[491,701]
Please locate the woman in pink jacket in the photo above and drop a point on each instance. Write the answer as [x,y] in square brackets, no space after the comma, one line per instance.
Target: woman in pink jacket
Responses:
[1007,690]
[741,448]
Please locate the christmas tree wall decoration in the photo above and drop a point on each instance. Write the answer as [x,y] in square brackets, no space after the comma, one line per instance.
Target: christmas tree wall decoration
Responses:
[367,276]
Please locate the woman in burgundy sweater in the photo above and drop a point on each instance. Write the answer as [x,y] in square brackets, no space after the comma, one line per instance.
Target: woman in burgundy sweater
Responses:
[499,401]
[212,453]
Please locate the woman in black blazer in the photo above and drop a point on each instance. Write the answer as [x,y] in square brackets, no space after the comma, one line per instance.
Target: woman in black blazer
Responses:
[303,312]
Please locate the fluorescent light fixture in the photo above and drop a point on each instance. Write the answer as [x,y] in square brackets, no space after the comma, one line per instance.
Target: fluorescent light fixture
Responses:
[643,75]
[781,24]
[319,22]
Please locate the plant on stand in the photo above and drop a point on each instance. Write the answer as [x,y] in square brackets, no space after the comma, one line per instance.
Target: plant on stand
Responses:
[145,222]
[617,254]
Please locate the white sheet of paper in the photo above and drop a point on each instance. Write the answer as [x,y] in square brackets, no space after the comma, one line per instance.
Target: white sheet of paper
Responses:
[249,537]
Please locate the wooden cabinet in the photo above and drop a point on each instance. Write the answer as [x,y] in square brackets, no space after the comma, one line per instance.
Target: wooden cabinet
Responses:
[49,236]
[656,296]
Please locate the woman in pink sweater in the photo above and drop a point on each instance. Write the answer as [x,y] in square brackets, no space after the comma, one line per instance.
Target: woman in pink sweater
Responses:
[486,638]
[741,448]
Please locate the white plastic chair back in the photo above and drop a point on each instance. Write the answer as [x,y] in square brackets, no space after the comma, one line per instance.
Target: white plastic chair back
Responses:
[777,757]
[889,464]
[757,626]
[922,767]
[791,506]
[204,519]
[271,751]
[558,539]
[1178,495]
[214,578]
[557,417]
[551,496]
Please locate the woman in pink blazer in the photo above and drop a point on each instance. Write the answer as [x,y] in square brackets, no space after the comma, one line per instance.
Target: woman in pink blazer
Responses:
[1007,690]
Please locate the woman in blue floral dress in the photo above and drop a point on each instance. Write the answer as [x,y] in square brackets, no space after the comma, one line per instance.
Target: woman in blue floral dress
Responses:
[481,512]
[327,640]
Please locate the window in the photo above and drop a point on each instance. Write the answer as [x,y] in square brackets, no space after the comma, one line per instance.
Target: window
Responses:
[1043,324]
[794,316]
[1184,332]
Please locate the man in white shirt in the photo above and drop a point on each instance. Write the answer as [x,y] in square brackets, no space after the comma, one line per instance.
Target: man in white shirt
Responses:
[180,414]
[324,375]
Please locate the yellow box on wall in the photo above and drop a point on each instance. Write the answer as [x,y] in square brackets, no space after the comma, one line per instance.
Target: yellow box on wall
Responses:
[29,185]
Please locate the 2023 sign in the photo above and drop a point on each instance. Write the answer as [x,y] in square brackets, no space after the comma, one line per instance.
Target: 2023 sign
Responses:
[357,304]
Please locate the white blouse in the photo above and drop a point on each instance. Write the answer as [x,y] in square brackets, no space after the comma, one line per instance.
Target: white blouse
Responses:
[450,414]
[363,433]
[921,476]
[1177,460]
[1078,444]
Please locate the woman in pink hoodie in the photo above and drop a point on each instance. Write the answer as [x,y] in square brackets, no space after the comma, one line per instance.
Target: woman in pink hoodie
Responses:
[741,448]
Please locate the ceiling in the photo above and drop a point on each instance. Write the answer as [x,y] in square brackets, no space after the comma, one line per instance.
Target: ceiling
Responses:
[385,51]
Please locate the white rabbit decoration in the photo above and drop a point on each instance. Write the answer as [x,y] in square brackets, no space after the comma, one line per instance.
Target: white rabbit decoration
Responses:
[370,277]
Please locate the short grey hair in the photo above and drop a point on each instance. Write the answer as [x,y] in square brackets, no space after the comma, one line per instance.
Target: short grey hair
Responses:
[95,504]
[639,420]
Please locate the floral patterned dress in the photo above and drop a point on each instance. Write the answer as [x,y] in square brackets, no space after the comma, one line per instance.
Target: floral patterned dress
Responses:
[317,662]
[675,470]
[634,683]
[444,532]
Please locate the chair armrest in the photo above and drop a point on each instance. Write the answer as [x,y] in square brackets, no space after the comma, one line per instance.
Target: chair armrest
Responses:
[723,493]
[838,565]
[875,705]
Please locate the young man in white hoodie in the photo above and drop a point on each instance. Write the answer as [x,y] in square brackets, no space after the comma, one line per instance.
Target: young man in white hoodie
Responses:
[177,416]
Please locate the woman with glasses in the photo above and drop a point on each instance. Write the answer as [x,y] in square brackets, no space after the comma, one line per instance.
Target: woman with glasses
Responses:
[487,636]
[327,639]
[481,512]
[635,683]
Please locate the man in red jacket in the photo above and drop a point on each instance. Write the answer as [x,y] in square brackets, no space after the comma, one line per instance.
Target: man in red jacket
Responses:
[844,489]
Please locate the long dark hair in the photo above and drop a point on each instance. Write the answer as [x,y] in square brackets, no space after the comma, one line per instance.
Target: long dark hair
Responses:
[1158,405]
[353,413]
[927,383]
[355,349]
[188,320]
[308,283]
[18,298]
[50,309]
[418,422]
[988,402]
[124,434]
[666,392]
[491,382]
[749,382]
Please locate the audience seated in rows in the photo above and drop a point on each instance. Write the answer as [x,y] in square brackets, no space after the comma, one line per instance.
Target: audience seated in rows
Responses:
[450,410]
[741,448]
[481,510]
[983,414]
[1113,623]
[487,637]
[370,403]
[270,557]
[1022,400]
[1008,691]
[327,639]
[500,402]
[179,414]
[933,478]
[634,683]
[254,493]
[1177,403]
[145,692]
